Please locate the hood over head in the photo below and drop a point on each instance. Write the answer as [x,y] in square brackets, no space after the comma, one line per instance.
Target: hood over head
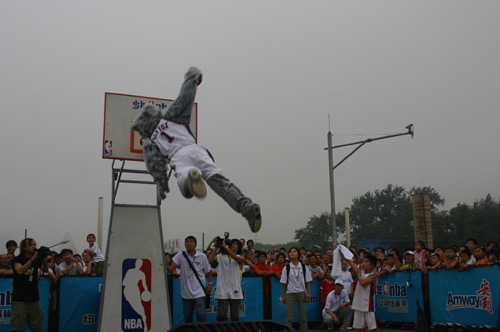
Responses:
[146,121]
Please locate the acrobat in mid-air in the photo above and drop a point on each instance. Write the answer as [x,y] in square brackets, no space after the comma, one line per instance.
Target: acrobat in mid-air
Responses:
[167,137]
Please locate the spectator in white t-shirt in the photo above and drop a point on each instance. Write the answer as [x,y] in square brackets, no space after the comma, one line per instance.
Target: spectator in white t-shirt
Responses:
[296,286]
[193,296]
[346,277]
[228,292]
[337,309]
[69,266]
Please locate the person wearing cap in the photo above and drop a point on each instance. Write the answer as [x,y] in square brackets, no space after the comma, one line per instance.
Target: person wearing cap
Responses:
[409,261]
[337,309]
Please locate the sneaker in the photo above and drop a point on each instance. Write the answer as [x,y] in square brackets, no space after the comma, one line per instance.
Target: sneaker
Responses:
[252,215]
[345,328]
[195,184]
[330,329]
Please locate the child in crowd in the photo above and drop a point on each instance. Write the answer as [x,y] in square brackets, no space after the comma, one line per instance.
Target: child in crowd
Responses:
[47,269]
[363,302]
[465,259]
[408,262]
[435,262]
[96,254]
[420,255]
[346,277]
[383,267]
[492,252]
[89,266]
[480,255]
[450,258]
[391,264]
[378,267]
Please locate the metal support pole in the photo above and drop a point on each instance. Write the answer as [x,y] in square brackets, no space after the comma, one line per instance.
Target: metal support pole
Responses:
[99,221]
[347,227]
[332,190]
[332,169]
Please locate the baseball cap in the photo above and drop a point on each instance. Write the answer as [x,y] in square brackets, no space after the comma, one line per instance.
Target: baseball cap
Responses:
[339,282]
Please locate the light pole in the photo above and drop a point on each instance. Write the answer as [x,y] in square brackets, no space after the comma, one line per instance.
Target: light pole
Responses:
[332,168]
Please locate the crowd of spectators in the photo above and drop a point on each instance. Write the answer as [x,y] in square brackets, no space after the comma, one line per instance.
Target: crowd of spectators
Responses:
[58,264]
[272,262]
[269,264]
[418,258]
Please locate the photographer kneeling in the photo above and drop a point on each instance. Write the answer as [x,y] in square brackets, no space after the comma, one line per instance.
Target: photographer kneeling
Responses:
[228,292]
[25,299]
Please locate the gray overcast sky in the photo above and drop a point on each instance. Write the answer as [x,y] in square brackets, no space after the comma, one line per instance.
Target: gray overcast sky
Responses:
[273,71]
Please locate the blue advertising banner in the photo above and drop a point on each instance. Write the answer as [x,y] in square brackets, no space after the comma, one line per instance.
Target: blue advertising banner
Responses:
[79,303]
[6,302]
[468,298]
[396,296]
[279,309]
[251,307]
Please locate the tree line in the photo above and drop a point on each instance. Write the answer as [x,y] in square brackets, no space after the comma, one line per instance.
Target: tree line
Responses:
[388,213]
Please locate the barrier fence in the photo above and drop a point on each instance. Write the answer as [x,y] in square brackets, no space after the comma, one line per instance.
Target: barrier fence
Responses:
[6,301]
[470,298]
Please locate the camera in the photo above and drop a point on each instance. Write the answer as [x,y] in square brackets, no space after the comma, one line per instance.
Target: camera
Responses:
[219,240]
[43,252]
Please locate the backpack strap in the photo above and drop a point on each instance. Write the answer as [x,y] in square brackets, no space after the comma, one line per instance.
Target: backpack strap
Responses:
[288,272]
[304,271]
[194,271]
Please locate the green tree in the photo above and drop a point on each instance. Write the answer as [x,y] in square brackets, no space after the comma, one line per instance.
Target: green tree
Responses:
[387,213]
[382,213]
[479,221]
[317,232]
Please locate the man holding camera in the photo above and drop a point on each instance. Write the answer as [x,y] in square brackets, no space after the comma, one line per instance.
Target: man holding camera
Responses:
[228,292]
[25,300]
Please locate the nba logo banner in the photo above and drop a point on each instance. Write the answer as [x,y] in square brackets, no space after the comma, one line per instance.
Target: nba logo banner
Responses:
[136,295]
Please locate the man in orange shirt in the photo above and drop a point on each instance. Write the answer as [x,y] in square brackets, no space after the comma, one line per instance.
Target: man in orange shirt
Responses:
[279,265]
[265,271]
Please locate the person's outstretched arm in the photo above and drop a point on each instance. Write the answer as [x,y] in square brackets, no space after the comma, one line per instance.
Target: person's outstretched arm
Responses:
[180,110]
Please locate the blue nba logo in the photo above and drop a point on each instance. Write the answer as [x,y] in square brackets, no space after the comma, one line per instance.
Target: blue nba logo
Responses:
[136,294]
[108,148]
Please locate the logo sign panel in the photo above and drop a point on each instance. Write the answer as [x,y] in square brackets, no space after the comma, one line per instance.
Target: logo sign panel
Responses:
[120,111]
[136,295]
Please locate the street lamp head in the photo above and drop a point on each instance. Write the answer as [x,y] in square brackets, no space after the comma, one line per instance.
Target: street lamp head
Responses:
[410,129]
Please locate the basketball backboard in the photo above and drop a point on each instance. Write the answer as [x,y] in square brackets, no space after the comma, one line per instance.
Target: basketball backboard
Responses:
[120,111]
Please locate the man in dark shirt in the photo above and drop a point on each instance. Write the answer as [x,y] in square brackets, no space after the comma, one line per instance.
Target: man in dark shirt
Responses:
[25,300]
